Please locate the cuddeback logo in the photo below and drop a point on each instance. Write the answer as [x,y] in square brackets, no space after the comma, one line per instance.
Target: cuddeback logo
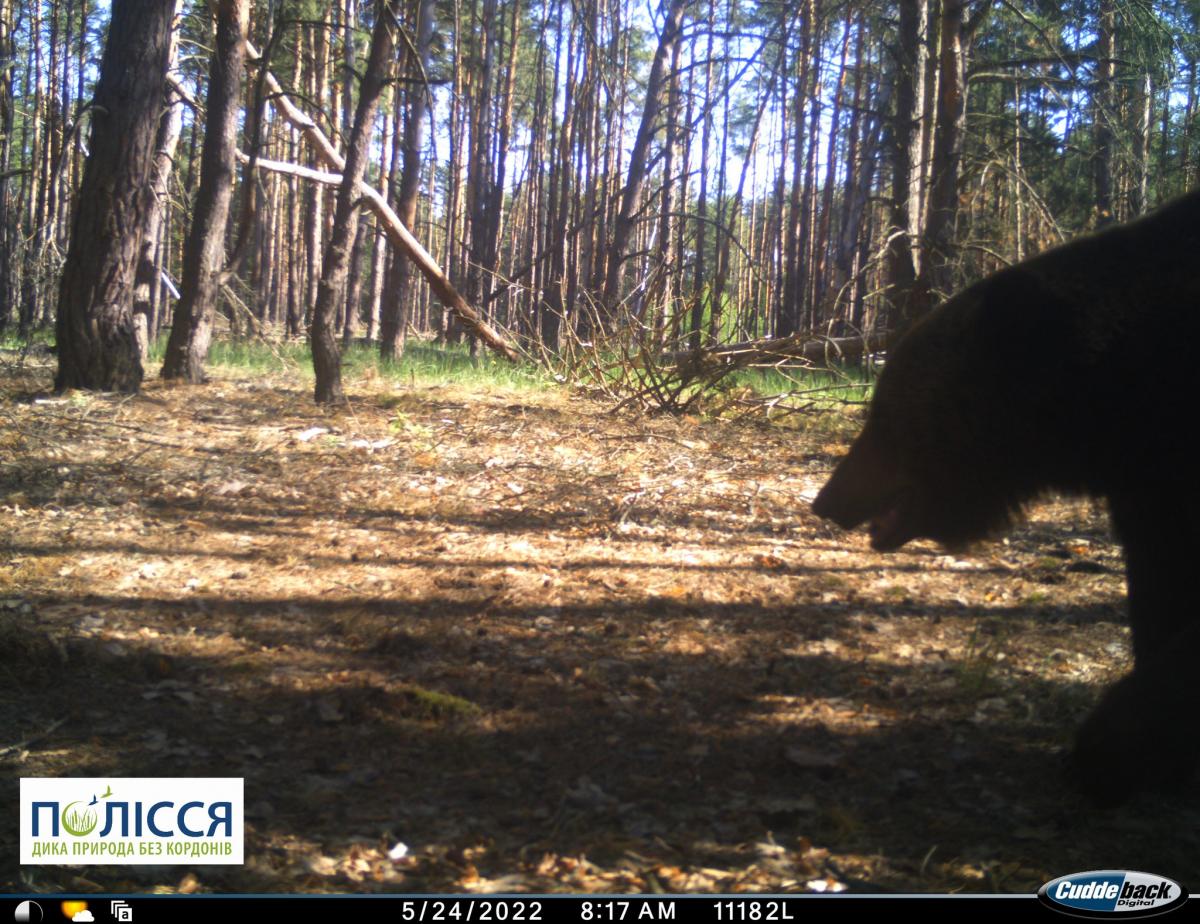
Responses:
[1112,893]
[131,820]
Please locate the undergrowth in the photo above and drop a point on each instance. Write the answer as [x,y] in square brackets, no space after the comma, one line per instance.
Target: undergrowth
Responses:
[777,392]
[422,363]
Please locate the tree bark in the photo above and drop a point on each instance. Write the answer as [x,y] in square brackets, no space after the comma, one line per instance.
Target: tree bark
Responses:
[204,255]
[147,278]
[97,346]
[355,287]
[700,281]
[901,271]
[1141,190]
[623,224]
[397,233]
[401,238]
[806,346]
[1188,166]
[392,322]
[7,251]
[327,361]
[935,276]
[1102,97]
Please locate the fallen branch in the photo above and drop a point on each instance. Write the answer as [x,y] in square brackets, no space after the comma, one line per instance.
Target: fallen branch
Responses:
[32,739]
[798,346]
[400,236]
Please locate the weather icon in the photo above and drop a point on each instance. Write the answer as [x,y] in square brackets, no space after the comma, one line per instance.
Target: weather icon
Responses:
[77,911]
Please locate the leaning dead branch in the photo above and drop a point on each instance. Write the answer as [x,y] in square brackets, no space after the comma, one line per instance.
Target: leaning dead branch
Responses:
[399,236]
[807,347]
[637,360]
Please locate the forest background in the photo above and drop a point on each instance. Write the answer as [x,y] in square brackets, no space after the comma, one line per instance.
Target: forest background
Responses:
[699,173]
[489,638]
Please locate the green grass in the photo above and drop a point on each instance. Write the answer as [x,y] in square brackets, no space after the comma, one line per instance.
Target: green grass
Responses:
[10,340]
[784,386]
[850,384]
[425,363]
[986,649]
[452,364]
[435,705]
[422,363]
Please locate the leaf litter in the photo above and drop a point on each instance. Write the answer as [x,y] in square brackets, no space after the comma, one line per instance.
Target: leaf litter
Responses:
[510,641]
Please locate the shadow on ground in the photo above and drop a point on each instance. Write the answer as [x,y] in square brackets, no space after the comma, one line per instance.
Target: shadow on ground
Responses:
[544,648]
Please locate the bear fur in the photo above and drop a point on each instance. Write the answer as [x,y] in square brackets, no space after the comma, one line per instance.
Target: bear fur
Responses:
[1074,372]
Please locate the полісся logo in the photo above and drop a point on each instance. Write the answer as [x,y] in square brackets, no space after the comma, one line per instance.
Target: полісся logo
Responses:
[131,820]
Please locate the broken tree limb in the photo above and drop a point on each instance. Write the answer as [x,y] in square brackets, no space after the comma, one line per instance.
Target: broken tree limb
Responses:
[400,236]
[402,239]
[781,349]
[308,128]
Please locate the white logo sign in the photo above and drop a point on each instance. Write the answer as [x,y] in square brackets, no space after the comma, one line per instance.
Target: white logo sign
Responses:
[132,820]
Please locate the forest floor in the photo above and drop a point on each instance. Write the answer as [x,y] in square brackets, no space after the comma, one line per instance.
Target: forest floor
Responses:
[482,640]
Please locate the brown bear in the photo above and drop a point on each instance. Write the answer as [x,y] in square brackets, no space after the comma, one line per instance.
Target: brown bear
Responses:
[1072,371]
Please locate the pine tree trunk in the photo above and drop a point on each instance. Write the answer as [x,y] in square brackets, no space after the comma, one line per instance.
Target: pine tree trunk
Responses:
[1104,113]
[204,256]
[7,251]
[936,275]
[97,347]
[393,322]
[147,279]
[327,363]
[901,271]
[147,282]
[639,156]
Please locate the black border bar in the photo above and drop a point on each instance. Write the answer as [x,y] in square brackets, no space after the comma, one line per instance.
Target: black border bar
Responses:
[541,909]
